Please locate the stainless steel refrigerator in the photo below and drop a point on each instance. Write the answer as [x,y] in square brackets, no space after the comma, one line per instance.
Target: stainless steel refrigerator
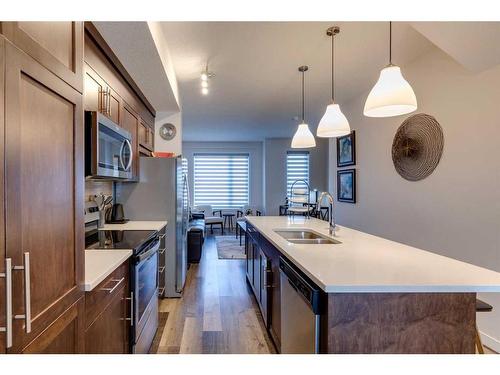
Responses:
[162,194]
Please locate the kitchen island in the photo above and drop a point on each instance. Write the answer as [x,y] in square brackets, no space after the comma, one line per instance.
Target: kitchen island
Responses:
[378,296]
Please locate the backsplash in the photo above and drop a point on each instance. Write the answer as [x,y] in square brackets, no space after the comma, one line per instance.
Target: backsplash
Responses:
[93,187]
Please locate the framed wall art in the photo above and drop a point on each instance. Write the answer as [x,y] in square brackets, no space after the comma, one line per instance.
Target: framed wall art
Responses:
[346,185]
[346,150]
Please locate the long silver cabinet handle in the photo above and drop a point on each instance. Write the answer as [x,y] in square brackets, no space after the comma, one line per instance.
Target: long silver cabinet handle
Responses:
[27,292]
[131,299]
[111,290]
[8,301]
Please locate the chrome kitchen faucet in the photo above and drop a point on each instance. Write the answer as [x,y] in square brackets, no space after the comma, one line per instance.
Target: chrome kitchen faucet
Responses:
[332,226]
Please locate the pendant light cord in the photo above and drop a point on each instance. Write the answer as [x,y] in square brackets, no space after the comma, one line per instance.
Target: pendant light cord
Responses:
[333,71]
[390,42]
[303,106]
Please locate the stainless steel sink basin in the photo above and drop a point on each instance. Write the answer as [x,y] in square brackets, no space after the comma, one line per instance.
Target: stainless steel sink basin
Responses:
[305,237]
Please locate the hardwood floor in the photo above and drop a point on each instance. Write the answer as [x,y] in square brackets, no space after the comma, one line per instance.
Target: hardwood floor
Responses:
[217,313]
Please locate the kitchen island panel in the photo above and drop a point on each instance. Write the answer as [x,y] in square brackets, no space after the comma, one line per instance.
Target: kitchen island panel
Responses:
[392,323]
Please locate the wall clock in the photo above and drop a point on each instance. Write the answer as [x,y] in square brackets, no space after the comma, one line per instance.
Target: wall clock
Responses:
[168,131]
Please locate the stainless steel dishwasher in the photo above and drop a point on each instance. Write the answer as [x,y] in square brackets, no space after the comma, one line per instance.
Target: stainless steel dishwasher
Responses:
[300,311]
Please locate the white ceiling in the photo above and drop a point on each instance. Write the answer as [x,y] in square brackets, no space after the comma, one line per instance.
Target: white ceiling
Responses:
[256,91]
[473,44]
[134,45]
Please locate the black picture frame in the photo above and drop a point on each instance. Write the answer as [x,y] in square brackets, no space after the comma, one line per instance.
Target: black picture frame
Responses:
[341,192]
[341,141]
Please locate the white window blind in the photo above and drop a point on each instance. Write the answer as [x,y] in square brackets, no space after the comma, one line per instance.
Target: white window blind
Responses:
[221,180]
[185,173]
[297,168]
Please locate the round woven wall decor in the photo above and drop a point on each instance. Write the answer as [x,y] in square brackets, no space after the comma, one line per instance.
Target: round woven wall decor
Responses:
[417,147]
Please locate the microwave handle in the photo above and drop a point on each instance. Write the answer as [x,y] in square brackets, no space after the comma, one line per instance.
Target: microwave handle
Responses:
[131,155]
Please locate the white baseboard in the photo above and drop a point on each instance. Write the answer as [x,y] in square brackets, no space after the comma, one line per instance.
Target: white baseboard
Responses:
[490,342]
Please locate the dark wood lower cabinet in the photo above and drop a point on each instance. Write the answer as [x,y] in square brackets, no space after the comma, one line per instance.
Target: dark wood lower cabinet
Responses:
[107,311]
[64,336]
[108,334]
[262,271]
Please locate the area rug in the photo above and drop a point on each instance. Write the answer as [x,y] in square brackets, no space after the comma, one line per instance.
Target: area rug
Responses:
[228,247]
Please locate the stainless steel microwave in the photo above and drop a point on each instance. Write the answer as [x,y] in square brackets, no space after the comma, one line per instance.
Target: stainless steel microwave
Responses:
[108,148]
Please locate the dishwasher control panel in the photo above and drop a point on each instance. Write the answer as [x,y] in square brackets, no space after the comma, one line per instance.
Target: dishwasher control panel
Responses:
[311,293]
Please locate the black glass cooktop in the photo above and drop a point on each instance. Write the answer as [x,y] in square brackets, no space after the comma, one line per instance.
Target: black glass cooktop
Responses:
[119,239]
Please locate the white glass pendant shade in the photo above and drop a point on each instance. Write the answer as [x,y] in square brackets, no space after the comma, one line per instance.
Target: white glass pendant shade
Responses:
[333,123]
[303,137]
[391,96]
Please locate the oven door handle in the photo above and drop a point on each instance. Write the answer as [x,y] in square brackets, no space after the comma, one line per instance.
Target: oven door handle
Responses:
[149,253]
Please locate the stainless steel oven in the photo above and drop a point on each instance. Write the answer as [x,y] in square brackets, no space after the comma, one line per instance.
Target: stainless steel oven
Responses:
[145,297]
[108,148]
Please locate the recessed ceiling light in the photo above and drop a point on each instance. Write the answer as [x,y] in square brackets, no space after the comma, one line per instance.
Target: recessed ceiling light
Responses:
[204,84]
[204,91]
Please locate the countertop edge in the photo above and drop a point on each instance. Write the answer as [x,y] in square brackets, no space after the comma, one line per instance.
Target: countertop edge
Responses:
[137,225]
[89,285]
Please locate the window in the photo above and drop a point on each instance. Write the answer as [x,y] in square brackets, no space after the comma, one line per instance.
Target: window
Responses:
[297,168]
[221,180]
[185,173]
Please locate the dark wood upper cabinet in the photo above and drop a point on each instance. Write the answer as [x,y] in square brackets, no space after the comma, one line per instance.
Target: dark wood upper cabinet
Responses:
[58,46]
[100,97]
[146,138]
[130,122]
[44,189]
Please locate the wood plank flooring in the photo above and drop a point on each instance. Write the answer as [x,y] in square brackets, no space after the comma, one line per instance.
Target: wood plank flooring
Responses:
[217,313]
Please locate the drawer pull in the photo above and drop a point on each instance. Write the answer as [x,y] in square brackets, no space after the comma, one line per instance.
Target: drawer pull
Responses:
[161,269]
[162,236]
[160,291]
[161,251]
[111,290]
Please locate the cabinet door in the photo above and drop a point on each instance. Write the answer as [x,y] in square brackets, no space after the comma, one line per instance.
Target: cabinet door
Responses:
[108,334]
[143,135]
[130,122]
[265,276]
[93,88]
[44,189]
[58,46]
[249,260]
[256,269]
[63,336]
[2,223]
[100,97]
[114,106]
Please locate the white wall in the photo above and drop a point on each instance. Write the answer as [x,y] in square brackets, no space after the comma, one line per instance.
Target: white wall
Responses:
[456,210]
[175,145]
[254,150]
[275,150]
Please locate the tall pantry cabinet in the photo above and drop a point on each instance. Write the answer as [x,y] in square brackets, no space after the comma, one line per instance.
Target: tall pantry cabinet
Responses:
[41,187]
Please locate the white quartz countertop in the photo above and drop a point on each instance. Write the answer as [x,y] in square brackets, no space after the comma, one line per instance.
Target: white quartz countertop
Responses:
[136,225]
[99,264]
[366,263]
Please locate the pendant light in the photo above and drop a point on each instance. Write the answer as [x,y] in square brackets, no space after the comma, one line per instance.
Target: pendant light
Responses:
[392,95]
[303,137]
[333,123]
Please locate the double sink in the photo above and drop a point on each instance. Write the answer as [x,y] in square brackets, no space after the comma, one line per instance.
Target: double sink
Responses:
[305,237]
